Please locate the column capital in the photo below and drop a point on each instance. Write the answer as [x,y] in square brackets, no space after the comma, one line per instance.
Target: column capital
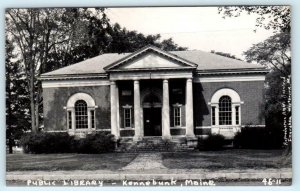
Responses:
[112,82]
[165,80]
[136,81]
[189,79]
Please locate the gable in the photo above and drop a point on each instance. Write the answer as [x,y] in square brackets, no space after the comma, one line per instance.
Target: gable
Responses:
[151,60]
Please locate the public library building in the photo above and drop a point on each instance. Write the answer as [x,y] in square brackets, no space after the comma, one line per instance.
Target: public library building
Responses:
[154,93]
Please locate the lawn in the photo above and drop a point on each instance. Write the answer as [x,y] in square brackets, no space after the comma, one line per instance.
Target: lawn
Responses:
[209,160]
[228,159]
[52,162]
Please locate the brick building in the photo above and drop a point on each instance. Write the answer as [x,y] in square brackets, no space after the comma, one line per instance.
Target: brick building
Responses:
[154,93]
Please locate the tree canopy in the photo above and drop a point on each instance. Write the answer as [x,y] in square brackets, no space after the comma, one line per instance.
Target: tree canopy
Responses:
[277,18]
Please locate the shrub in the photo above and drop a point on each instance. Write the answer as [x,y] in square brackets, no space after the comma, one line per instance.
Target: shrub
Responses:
[99,142]
[62,142]
[258,138]
[42,142]
[212,142]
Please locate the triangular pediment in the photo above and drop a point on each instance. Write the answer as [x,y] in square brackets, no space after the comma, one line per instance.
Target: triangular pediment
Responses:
[150,58]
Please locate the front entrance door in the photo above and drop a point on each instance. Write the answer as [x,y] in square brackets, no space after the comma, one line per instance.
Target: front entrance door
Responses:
[152,121]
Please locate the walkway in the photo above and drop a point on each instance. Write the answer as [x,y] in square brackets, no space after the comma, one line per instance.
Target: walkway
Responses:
[145,161]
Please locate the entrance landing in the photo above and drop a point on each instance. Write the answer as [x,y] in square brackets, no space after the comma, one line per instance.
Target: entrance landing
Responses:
[146,161]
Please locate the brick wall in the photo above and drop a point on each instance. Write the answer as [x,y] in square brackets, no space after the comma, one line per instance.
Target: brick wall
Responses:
[251,93]
[54,99]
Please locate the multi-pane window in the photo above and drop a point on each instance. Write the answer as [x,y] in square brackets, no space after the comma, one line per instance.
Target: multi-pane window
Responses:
[81,115]
[127,117]
[69,119]
[225,111]
[237,115]
[213,115]
[93,118]
[177,116]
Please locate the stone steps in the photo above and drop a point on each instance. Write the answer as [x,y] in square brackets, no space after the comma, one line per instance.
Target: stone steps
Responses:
[154,144]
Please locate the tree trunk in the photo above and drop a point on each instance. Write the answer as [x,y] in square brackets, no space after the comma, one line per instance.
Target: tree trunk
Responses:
[37,116]
[32,101]
[10,145]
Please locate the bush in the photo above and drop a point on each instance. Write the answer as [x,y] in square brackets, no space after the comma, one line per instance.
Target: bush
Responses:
[62,142]
[42,142]
[99,142]
[213,142]
[258,138]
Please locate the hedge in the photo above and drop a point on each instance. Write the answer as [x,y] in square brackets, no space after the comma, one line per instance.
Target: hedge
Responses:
[212,142]
[62,142]
[258,138]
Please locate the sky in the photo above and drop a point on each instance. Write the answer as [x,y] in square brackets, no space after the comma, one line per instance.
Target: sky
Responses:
[197,28]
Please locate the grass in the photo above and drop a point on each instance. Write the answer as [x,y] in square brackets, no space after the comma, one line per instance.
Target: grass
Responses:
[209,160]
[52,162]
[228,159]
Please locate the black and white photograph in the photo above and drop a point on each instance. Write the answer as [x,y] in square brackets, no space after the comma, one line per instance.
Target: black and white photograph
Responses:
[148,96]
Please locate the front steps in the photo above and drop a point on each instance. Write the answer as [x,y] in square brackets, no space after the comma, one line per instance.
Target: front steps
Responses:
[154,144]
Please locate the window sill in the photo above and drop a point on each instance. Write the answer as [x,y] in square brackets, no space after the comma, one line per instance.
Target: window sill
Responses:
[126,128]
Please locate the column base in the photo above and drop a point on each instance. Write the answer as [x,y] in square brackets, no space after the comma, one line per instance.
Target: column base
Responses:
[136,138]
[166,138]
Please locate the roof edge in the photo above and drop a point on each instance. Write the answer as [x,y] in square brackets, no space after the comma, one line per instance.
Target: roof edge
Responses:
[73,76]
[147,48]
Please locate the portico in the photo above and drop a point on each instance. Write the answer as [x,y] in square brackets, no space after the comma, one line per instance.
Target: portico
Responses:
[139,106]
[147,66]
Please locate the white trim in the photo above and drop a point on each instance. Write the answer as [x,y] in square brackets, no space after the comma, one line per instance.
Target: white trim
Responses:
[156,74]
[178,127]
[235,98]
[103,130]
[56,131]
[127,106]
[174,117]
[243,126]
[156,50]
[126,128]
[130,116]
[203,127]
[81,96]
[74,83]
[229,78]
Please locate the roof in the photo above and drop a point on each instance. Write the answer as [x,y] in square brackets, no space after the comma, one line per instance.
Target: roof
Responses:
[203,60]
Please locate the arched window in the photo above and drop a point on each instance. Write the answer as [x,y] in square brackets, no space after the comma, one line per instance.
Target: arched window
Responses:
[81,112]
[81,115]
[225,111]
[225,108]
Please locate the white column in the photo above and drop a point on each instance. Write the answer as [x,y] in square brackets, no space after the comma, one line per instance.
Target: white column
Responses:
[137,113]
[118,111]
[113,109]
[189,108]
[166,111]
[217,114]
[73,119]
[89,120]
[233,114]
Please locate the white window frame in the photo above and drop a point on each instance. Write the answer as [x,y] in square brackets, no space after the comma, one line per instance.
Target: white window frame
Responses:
[91,106]
[235,101]
[177,106]
[127,107]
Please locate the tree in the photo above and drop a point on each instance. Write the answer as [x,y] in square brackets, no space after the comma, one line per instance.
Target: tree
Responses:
[277,18]
[39,33]
[274,53]
[48,39]
[122,40]
[225,54]
[17,118]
